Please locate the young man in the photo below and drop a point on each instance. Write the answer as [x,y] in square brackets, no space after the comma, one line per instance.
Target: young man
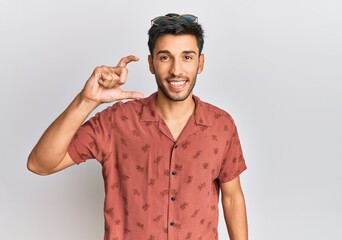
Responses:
[164,157]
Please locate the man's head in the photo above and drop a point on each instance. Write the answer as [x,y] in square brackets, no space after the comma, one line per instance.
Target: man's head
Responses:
[175,43]
[175,24]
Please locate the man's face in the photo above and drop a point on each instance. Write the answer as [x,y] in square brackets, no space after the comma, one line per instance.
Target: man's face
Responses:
[176,63]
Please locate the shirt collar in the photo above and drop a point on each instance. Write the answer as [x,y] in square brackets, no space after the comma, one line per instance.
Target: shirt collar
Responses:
[202,116]
[149,111]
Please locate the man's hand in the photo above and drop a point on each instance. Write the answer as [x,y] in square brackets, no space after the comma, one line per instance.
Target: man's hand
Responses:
[50,154]
[104,84]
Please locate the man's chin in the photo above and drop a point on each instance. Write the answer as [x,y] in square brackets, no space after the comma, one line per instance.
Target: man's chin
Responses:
[178,97]
[175,95]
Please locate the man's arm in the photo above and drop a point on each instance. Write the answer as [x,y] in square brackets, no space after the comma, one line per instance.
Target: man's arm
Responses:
[50,154]
[234,208]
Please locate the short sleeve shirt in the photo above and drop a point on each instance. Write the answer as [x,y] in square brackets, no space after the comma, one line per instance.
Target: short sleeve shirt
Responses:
[158,188]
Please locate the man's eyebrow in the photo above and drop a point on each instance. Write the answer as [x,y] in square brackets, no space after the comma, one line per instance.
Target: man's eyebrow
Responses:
[163,51]
[189,52]
[184,52]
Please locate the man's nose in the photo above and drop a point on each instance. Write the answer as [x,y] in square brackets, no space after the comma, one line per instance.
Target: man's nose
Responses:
[176,68]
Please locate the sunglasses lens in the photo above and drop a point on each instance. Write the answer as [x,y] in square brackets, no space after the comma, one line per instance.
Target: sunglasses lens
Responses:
[189,18]
[158,20]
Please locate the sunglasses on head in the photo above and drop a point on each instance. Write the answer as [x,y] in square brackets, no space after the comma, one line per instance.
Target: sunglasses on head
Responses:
[188,17]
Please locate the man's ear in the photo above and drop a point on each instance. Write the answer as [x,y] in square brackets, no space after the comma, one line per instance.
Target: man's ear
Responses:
[150,64]
[200,64]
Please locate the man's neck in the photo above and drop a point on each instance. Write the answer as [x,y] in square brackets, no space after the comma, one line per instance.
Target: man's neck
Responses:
[174,111]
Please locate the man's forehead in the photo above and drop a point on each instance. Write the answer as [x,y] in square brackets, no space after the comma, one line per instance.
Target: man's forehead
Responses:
[186,43]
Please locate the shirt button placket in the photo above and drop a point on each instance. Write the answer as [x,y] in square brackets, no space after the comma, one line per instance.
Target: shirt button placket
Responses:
[173,179]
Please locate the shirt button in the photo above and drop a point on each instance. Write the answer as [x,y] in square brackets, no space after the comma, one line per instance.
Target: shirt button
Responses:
[176,146]
[174,172]
[173,198]
[172,224]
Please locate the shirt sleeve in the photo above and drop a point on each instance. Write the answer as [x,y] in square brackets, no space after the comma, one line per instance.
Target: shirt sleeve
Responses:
[233,163]
[92,138]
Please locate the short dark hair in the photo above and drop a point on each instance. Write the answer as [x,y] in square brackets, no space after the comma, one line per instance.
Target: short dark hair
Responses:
[175,26]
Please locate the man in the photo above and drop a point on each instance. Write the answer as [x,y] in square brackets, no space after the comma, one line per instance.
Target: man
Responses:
[164,157]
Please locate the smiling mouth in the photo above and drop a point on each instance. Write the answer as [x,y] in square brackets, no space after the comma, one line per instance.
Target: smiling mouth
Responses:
[177,84]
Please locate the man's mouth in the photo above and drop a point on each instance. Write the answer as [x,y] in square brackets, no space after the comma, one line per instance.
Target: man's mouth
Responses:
[177,83]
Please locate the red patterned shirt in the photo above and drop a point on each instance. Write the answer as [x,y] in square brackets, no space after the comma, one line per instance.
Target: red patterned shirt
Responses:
[158,188]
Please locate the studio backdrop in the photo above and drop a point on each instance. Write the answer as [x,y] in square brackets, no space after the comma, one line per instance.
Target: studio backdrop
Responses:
[275,66]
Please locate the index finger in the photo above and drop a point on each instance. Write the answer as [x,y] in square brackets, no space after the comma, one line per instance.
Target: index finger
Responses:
[125,60]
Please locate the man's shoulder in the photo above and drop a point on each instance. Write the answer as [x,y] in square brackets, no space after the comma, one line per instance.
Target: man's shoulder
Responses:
[215,112]
[130,107]
[130,104]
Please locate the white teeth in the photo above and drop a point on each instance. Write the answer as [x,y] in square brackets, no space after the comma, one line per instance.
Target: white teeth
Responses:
[177,83]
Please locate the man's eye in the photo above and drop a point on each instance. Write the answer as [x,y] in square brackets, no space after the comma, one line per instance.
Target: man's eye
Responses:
[188,57]
[164,58]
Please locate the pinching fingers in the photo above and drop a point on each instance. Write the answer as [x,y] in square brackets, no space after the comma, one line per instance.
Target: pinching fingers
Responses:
[108,78]
[122,73]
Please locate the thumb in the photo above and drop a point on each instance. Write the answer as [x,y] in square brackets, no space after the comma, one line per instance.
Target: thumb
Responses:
[130,95]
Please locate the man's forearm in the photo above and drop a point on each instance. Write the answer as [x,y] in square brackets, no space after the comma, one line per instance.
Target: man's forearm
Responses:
[50,153]
[54,143]
[235,216]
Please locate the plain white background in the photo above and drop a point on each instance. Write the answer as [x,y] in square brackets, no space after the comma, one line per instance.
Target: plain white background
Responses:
[275,66]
